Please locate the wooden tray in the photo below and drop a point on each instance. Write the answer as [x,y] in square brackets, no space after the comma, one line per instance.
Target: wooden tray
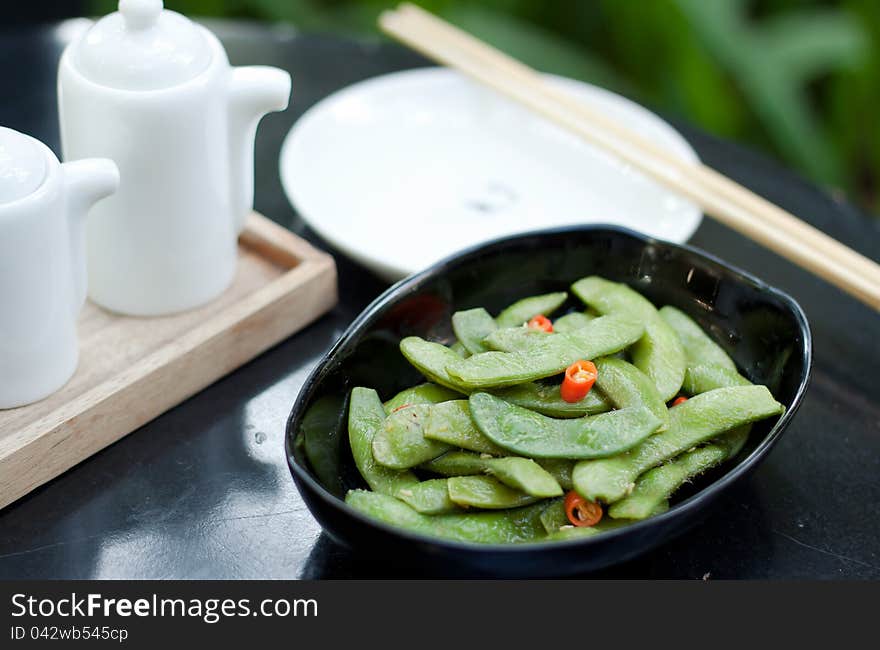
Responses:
[134,369]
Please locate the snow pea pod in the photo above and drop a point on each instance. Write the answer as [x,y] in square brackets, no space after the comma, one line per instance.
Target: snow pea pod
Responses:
[523,474]
[485,493]
[734,440]
[498,527]
[702,378]
[451,423]
[624,386]
[659,353]
[692,422]
[422,394]
[574,532]
[456,463]
[429,497]
[515,339]
[571,322]
[400,442]
[656,485]
[554,520]
[545,399]
[553,516]
[365,417]
[537,436]
[699,348]
[708,367]
[550,356]
[431,360]
[471,327]
[560,469]
[522,310]
[321,432]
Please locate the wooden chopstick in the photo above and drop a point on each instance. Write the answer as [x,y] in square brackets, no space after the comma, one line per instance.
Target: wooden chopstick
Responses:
[717,195]
[710,178]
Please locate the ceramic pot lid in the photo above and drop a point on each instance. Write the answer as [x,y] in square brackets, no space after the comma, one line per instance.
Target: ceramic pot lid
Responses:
[142,47]
[22,165]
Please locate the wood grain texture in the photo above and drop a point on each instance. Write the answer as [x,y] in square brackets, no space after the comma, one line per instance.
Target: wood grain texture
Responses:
[133,369]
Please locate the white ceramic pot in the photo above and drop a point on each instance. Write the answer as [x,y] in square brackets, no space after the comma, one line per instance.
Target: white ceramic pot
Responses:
[155,92]
[43,205]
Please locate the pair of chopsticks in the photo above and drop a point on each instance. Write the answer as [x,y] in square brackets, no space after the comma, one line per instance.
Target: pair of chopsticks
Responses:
[718,196]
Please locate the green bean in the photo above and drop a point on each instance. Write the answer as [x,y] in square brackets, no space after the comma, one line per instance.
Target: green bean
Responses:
[493,424]
[659,353]
[429,497]
[365,417]
[554,520]
[560,469]
[471,327]
[499,527]
[400,442]
[571,322]
[431,359]
[545,399]
[451,423]
[523,474]
[421,394]
[607,297]
[485,493]
[456,463]
[602,336]
[734,440]
[624,386]
[698,347]
[574,532]
[708,367]
[321,432]
[516,339]
[656,485]
[532,434]
[553,516]
[703,378]
[660,508]
[690,423]
[527,308]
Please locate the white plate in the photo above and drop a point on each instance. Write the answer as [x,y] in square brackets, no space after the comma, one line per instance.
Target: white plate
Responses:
[402,170]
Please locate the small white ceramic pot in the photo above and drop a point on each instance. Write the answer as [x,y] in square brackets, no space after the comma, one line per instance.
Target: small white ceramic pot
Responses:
[43,205]
[155,92]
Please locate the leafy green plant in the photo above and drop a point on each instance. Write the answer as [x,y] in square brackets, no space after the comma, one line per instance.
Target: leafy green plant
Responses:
[798,78]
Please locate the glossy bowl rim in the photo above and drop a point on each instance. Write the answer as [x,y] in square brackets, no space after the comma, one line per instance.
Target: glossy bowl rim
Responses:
[388,297]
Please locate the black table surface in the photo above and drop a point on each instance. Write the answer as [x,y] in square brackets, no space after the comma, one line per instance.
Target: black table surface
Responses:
[204,492]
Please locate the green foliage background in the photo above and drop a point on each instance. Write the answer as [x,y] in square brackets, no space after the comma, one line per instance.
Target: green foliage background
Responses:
[797,78]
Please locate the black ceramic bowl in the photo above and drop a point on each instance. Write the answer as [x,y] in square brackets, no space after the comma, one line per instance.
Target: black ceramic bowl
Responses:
[763,329]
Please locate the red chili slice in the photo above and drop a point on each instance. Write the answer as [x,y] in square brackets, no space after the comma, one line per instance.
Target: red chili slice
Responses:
[580,511]
[579,379]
